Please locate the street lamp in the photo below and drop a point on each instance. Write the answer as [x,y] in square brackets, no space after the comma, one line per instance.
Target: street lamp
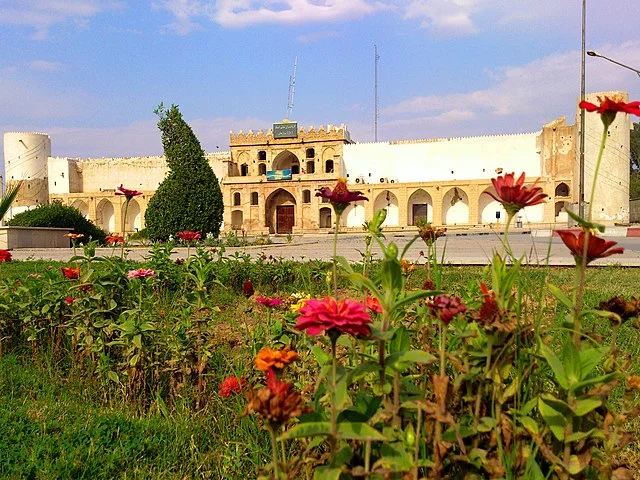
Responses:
[593,53]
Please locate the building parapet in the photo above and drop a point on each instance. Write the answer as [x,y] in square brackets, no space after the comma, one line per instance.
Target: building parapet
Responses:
[311,134]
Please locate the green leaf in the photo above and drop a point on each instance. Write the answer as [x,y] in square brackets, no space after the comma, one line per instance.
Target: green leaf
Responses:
[310,429]
[555,364]
[359,431]
[562,298]
[400,360]
[586,405]
[554,419]
[529,424]
[395,457]
[603,379]
[327,473]
[571,361]
[137,341]
[584,223]
[322,357]
[589,359]
[341,397]
[400,341]
[577,436]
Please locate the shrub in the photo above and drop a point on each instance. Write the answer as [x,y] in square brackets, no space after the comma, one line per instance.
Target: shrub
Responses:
[57,215]
[189,198]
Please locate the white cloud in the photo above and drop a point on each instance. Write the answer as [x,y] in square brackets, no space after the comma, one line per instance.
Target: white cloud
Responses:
[521,98]
[45,66]
[316,36]
[241,13]
[445,17]
[41,15]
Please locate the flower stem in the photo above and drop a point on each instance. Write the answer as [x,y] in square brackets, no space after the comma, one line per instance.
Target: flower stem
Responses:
[274,451]
[334,368]
[335,255]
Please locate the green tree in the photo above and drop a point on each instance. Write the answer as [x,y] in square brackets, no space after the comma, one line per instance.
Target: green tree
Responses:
[634,164]
[189,198]
[57,215]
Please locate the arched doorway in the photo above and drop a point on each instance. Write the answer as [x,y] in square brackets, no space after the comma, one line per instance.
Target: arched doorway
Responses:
[286,161]
[82,206]
[420,206]
[280,211]
[237,219]
[561,215]
[353,215]
[455,207]
[489,209]
[325,218]
[105,216]
[389,202]
[133,217]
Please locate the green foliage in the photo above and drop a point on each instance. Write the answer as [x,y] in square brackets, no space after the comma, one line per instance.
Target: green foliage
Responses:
[8,198]
[189,198]
[58,215]
[635,148]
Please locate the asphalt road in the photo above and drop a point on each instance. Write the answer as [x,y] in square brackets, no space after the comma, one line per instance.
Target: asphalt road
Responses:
[471,249]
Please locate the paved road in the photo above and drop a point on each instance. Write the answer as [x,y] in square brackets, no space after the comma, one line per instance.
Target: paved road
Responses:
[472,249]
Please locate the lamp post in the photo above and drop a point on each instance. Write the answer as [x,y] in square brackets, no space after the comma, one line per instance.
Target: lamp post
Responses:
[593,53]
[582,121]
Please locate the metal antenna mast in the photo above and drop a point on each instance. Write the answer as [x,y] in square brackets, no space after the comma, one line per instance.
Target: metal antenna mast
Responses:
[292,89]
[375,87]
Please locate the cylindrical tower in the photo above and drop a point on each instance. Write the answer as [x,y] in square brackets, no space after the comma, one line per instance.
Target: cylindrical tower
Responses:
[25,158]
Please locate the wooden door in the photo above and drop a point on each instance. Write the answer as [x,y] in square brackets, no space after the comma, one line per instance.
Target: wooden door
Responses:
[419,211]
[285,218]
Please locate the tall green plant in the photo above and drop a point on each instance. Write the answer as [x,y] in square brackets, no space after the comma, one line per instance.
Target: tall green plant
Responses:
[189,198]
[8,198]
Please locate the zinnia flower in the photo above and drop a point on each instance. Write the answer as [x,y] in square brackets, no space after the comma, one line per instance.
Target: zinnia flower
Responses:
[141,273]
[69,300]
[407,266]
[115,239]
[340,197]
[429,233]
[231,385]
[343,316]
[71,272]
[624,309]
[597,248]
[277,402]
[373,304]
[446,307]
[129,194]
[609,107]
[189,236]
[269,358]
[74,236]
[513,195]
[5,256]
[269,302]
[247,288]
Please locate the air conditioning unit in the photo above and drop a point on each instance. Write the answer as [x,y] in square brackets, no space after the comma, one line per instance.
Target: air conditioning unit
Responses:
[384,180]
[393,180]
[360,179]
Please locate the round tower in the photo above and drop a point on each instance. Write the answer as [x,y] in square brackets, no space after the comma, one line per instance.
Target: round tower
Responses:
[25,158]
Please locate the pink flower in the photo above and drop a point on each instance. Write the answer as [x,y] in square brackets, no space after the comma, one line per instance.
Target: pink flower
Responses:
[340,197]
[343,316]
[189,236]
[597,247]
[129,194]
[141,273]
[514,195]
[231,385]
[269,302]
[446,307]
[69,300]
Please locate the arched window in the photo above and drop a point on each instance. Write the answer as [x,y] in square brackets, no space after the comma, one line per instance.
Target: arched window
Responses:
[311,153]
[311,166]
[295,168]
[262,169]
[306,196]
[262,155]
[244,170]
[562,190]
[328,166]
[236,199]
[254,198]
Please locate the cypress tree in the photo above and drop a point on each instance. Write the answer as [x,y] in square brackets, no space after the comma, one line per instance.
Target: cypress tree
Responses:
[189,198]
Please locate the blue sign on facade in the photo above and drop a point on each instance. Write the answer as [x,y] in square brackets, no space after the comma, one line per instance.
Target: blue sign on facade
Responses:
[275,175]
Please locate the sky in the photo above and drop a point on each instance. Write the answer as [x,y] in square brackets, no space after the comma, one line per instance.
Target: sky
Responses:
[91,72]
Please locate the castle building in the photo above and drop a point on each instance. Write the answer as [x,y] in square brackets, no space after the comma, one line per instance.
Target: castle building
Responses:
[269,179]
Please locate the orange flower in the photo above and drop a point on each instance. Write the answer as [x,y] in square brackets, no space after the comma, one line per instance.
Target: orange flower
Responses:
[74,236]
[115,238]
[597,248]
[71,272]
[269,358]
[407,266]
[513,195]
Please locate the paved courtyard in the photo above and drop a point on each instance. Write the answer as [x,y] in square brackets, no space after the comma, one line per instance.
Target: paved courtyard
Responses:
[470,249]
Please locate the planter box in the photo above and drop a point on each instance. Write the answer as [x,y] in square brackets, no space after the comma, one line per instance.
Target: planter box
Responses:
[33,237]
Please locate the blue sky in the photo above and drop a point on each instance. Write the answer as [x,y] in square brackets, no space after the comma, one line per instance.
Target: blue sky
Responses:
[91,72]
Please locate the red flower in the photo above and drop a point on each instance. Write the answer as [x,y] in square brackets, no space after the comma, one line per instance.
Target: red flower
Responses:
[609,107]
[189,236]
[269,302]
[115,239]
[277,402]
[446,307]
[597,248]
[247,288]
[373,304]
[340,197]
[513,195]
[343,316]
[231,385]
[129,194]
[5,256]
[69,300]
[74,236]
[71,272]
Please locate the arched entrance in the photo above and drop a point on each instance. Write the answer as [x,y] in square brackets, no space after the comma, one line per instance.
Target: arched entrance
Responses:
[562,190]
[82,206]
[420,207]
[455,207]
[133,217]
[280,210]
[389,202]
[286,161]
[237,219]
[489,209]
[105,214]
[325,217]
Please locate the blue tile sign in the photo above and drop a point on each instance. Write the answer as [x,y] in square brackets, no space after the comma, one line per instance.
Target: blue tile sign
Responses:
[274,175]
[285,130]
